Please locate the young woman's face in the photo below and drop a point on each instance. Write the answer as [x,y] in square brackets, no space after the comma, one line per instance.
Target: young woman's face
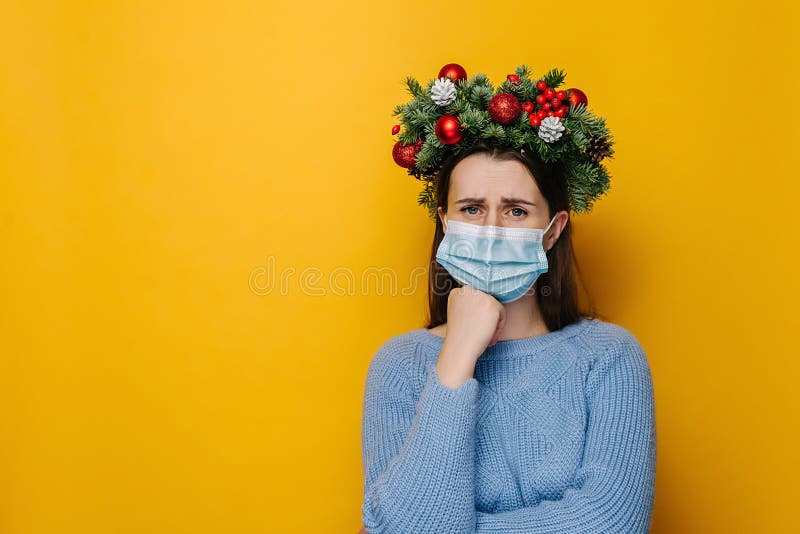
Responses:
[499,193]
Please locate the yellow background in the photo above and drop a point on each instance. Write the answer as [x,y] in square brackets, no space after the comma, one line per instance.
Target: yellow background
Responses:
[155,155]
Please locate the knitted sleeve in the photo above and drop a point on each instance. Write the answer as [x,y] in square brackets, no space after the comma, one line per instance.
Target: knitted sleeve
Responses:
[614,487]
[418,449]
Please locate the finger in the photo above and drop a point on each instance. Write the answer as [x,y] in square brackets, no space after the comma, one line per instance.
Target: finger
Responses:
[501,322]
[495,337]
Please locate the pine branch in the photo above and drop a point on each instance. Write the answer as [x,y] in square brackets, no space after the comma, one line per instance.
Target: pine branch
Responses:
[515,137]
[494,131]
[523,71]
[587,181]
[578,138]
[457,107]
[474,120]
[420,117]
[427,197]
[431,153]
[480,95]
[554,78]
[414,88]
[480,79]
[580,118]
[408,137]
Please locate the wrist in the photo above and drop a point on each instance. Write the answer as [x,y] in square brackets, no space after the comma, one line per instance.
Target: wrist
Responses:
[461,352]
[452,371]
[450,376]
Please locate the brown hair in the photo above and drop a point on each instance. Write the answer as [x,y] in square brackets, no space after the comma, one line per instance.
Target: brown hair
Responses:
[556,290]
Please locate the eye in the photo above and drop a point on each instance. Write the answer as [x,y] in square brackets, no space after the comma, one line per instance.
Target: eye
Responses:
[464,209]
[518,212]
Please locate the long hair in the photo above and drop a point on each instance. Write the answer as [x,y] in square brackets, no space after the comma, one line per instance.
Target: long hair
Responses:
[556,290]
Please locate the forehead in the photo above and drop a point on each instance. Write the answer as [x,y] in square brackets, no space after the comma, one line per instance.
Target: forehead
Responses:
[480,176]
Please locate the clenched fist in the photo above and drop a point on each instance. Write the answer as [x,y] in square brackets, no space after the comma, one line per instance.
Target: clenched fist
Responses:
[474,321]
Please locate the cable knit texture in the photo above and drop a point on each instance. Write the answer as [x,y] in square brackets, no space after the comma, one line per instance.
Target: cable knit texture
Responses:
[553,434]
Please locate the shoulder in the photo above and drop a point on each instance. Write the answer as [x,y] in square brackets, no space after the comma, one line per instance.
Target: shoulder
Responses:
[396,362]
[608,343]
[605,334]
[398,348]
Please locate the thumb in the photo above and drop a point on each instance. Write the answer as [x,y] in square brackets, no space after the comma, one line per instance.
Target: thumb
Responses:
[501,323]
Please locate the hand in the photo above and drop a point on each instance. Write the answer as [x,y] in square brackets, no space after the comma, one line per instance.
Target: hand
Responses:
[363,531]
[474,321]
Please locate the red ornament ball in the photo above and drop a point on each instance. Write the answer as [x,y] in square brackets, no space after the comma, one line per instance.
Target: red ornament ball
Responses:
[576,96]
[504,108]
[448,130]
[404,155]
[541,85]
[527,106]
[454,71]
[395,129]
[513,78]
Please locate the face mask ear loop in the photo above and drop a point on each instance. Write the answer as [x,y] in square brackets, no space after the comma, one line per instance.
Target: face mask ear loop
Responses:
[550,224]
[445,223]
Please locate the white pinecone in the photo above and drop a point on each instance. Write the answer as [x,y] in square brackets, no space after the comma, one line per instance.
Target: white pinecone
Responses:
[550,129]
[443,92]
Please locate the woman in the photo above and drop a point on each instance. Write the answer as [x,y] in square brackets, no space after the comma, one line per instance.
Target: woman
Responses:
[513,411]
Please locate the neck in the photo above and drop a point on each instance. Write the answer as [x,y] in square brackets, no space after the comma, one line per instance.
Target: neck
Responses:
[523,319]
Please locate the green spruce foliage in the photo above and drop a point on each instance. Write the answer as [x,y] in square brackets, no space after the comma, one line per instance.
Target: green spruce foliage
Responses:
[587,178]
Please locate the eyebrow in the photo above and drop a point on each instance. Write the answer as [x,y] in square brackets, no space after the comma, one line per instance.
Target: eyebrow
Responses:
[504,200]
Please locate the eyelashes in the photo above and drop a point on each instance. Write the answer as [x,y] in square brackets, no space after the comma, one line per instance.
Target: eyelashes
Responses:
[465,208]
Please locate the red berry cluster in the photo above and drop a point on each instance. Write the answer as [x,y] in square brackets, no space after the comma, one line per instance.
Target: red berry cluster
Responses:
[550,103]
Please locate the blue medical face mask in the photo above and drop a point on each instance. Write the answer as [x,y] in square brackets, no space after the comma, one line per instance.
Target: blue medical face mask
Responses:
[504,262]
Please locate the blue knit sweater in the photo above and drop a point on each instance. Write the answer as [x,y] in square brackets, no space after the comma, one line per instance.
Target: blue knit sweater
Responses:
[553,434]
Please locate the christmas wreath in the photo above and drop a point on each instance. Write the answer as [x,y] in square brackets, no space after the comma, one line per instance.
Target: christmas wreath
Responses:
[525,112]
